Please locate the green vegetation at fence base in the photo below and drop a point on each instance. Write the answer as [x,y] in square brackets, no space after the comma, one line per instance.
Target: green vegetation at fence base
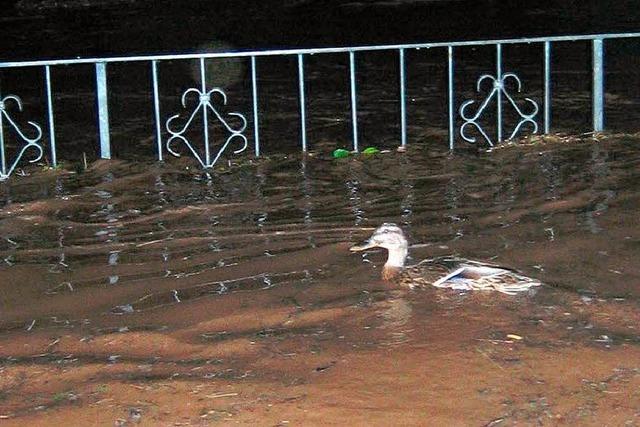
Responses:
[370,150]
[340,153]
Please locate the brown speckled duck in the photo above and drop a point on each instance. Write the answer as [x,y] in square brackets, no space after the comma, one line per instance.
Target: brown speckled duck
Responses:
[443,272]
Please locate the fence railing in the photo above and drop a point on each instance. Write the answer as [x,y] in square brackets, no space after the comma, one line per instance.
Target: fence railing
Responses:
[210,101]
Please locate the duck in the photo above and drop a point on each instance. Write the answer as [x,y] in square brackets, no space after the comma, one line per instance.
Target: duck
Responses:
[448,271]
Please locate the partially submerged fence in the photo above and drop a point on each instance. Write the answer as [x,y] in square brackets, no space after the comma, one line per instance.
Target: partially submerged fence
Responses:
[211,101]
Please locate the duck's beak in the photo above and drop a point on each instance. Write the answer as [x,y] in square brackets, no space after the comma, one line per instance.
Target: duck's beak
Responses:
[363,246]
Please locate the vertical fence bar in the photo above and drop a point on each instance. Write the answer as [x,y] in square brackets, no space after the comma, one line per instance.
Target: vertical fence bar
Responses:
[3,160]
[52,132]
[205,112]
[598,85]
[103,110]
[303,117]
[451,95]
[354,101]
[254,92]
[547,87]
[156,107]
[403,101]
[499,93]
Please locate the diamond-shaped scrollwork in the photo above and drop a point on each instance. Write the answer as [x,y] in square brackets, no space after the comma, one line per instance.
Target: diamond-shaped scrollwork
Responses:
[498,87]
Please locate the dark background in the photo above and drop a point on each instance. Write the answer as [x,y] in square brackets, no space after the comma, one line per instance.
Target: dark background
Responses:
[69,28]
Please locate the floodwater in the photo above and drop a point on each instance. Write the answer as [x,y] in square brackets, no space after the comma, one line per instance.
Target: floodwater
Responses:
[134,292]
[157,294]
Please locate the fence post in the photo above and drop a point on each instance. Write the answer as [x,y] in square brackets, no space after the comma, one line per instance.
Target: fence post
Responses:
[303,115]
[156,107]
[3,160]
[52,132]
[254,99]
[547,87]
[403,101]
[451,95]
[499,92]
[103,110]
[354,101]
[205,115]
[598,86]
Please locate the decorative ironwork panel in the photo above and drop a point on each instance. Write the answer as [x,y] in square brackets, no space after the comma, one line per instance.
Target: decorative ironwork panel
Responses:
[205,106]
[5,171]
[498,87]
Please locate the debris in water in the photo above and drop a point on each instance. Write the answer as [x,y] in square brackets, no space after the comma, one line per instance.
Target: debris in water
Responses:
[325,367]
[494,422]
[122,309]
[51,344]
[135,415]
[216,396]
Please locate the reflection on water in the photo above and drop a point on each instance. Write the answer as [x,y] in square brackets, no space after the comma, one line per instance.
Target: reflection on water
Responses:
[162,221]
[156,272]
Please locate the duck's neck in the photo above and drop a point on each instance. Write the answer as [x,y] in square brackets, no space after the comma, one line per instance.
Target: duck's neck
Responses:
[396,258]
[395,263]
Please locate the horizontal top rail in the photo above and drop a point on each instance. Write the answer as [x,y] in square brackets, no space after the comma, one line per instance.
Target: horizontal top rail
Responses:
[312,51]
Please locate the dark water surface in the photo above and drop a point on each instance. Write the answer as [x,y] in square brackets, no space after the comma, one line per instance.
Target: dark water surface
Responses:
[101,27]
[132,282]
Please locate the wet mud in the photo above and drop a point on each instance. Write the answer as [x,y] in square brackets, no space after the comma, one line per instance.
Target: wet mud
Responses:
[139,293]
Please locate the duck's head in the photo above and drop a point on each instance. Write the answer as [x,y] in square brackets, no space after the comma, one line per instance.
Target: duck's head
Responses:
[391,237]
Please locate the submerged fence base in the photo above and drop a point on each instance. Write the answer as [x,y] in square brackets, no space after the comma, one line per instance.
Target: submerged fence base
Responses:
[502,90]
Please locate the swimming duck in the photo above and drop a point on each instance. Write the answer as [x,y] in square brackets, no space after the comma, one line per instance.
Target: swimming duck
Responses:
[442,272]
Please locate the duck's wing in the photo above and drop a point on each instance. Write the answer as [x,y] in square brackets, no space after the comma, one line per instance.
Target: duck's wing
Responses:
[476,275]
[424,273]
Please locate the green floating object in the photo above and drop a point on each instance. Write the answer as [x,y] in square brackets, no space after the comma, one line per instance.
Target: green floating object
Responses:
[370,150]
[340,153]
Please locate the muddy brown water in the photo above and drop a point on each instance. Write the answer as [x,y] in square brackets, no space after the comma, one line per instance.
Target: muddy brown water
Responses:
[137,293]
[155,294]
